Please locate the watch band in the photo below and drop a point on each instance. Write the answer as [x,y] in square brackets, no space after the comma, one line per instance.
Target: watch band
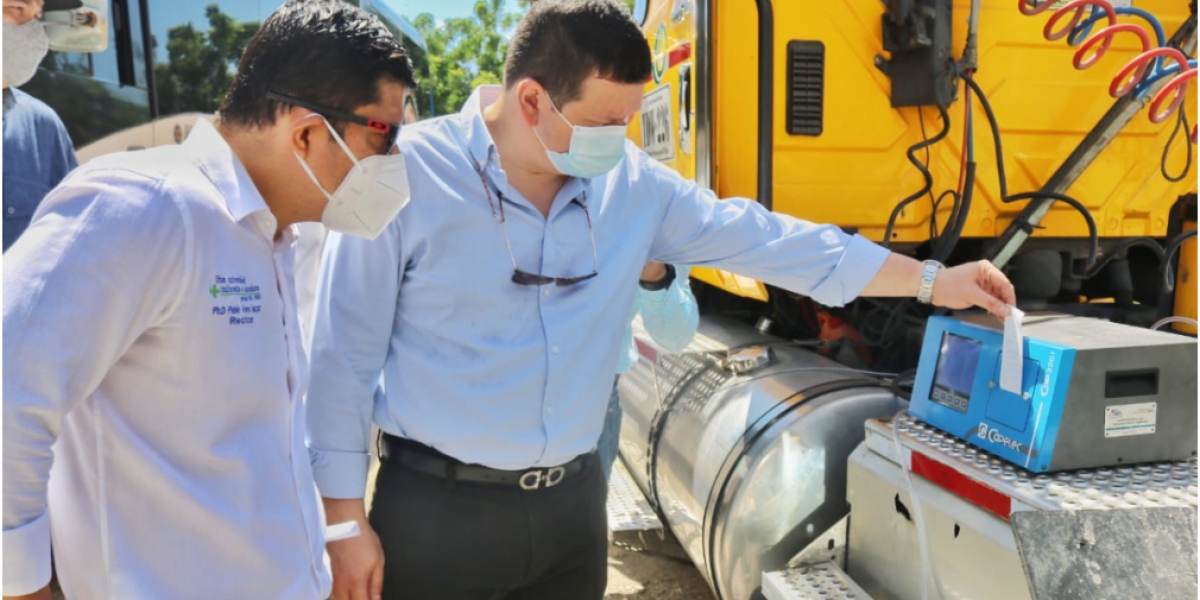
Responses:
[661,284]
[925,289]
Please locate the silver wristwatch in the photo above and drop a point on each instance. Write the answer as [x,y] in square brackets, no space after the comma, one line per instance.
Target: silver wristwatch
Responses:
[925,290]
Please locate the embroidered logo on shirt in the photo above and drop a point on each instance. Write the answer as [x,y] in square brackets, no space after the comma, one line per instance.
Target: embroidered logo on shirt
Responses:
[236,299]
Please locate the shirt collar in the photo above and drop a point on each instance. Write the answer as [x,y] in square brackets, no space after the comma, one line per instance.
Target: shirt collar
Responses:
[219,163]
[479,139]
[483,148]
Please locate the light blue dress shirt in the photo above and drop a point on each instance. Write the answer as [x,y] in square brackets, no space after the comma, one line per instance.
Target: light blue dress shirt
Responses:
[670,316]
[37,156]
[423,332]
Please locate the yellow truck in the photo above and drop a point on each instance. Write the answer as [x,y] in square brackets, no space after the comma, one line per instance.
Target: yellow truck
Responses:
[832,111]
[1053,137]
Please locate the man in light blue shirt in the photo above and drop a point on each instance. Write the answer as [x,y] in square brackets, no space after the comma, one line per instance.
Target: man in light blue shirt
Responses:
[481,330]
[38,154]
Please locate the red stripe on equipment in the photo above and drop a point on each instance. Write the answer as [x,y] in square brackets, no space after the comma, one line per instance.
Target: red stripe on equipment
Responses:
[962,486]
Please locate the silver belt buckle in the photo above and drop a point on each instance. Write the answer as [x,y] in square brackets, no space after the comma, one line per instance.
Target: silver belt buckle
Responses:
[535,478]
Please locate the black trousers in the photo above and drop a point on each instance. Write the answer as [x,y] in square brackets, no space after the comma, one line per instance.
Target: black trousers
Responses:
[448,540]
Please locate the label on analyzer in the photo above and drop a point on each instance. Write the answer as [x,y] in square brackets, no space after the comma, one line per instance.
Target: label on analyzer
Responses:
[1130,419]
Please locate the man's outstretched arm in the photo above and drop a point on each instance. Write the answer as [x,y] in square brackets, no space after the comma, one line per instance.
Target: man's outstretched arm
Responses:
[977,283]
[819,261]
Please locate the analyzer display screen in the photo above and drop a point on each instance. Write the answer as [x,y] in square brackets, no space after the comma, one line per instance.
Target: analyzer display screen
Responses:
[957,363]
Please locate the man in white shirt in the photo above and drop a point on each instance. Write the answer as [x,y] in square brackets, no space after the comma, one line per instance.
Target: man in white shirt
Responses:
[153,423]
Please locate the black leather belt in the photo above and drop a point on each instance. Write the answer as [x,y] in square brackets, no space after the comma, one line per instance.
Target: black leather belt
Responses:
[421,458]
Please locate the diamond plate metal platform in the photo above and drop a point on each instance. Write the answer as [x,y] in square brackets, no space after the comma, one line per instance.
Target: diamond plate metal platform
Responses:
[628,509]
[1136,486]
[823,581]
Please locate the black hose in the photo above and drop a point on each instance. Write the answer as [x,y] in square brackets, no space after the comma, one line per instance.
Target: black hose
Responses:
[933,226]
[1181,124]
[912,157]
[959,221]
[1113,253]
[1001,173]
[1168,254]
[1003,177]
[1094,236]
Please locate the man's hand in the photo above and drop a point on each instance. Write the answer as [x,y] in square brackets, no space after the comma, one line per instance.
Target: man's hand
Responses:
[653,271]
[357,562]
[974,284]
[42,594]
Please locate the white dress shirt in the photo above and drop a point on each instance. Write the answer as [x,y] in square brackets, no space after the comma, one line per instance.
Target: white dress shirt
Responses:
[152,355]
[310,241]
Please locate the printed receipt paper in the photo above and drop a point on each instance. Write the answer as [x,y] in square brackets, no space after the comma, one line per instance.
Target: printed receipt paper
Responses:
[1012,358]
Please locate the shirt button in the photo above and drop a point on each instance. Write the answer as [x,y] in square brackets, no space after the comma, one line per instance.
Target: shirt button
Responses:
[12,210]
[554,349]
[545,291]
[550,410]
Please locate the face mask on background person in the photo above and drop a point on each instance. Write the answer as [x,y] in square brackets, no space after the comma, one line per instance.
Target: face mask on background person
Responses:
[593,151]
[25,46]
[370,196]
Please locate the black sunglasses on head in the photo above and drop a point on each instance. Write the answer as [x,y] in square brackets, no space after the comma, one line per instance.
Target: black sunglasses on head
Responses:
[520,276]
[388,130]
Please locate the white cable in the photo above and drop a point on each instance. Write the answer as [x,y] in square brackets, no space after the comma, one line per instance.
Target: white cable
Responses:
[928,569]
[1169,320]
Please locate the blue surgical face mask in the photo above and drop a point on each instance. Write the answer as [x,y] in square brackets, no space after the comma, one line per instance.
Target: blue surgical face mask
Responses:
[594,151]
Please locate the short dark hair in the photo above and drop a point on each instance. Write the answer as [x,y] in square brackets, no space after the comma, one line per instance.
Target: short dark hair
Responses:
[561,43]
[327,52]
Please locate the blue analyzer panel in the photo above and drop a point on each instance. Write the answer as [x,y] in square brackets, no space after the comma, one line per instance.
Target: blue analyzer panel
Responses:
[957,390]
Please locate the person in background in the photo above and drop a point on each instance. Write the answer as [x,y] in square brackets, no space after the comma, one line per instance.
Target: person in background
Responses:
[37,150]
[153,415]
[669,314]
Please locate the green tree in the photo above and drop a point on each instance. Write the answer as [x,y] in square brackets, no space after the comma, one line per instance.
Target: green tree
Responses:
[200,65]
[462,53]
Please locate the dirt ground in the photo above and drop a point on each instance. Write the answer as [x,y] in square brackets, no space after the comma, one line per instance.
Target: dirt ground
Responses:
[643,565]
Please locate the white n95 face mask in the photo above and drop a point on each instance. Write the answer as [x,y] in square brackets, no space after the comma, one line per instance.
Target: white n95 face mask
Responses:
[24,48]
[370,196]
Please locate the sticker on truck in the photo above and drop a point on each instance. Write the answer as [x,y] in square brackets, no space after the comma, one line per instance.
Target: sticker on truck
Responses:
[658,139]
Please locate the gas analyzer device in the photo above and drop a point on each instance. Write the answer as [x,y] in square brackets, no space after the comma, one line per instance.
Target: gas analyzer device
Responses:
[1092,393]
